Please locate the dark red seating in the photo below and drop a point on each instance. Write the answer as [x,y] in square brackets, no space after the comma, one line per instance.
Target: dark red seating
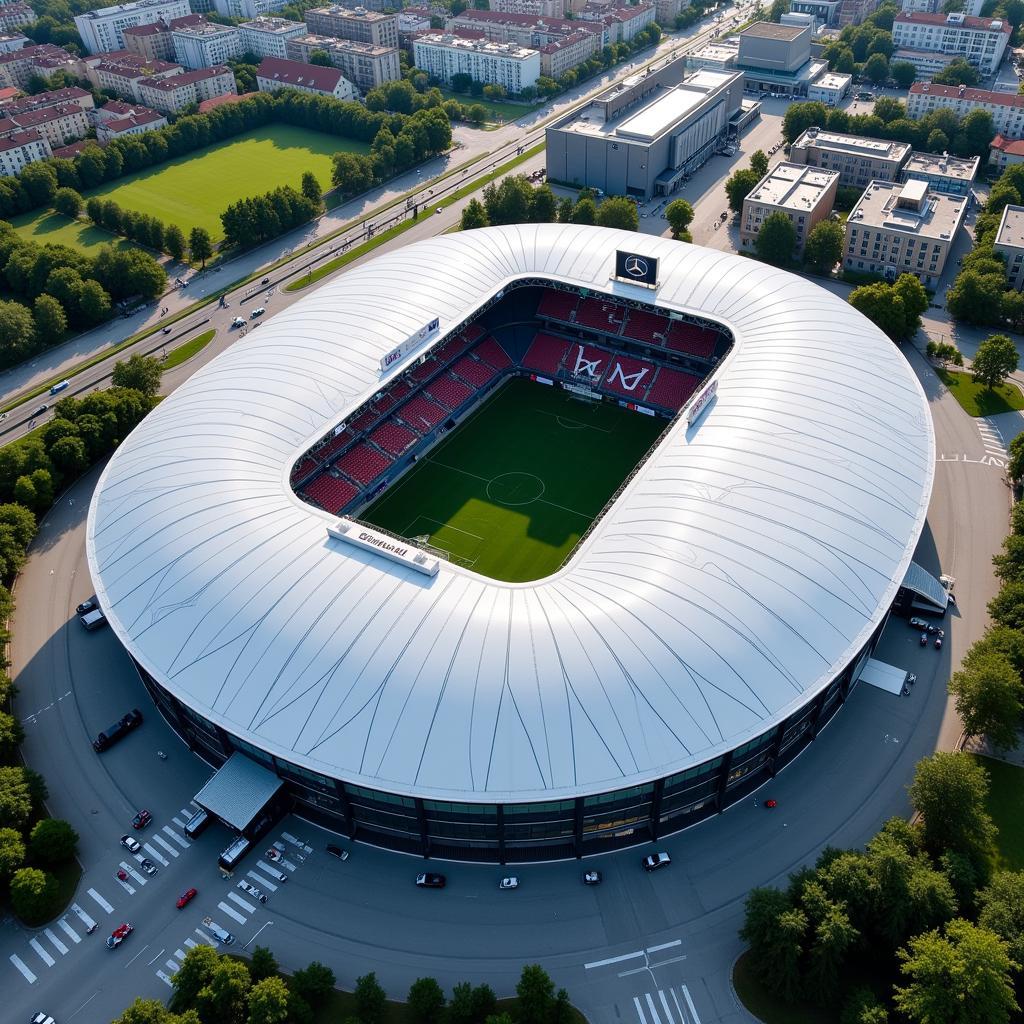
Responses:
[478,374]
[601,316]
[424,370]
[557,306]
[628,377]
[364,420]
[474,332]
[421,414]
[689,338]
[582,357]
[330,493]
[363,463]
[393,437]
[451,348]
[671,388]
[449,391]
[545,354]
[646,327]
[400,390]
[335,444]
[491,352]
[385,403]
[303,467]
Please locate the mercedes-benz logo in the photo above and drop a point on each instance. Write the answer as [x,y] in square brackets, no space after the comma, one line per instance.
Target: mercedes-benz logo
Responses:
[635,267]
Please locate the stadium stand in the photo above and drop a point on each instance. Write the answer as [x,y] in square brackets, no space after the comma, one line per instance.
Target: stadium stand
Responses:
[600,316]
[689,338]
[303,467]
[424,370]
[648,328]
[452,348]
[363,463]
[385,403]
[399,390]
[582,357]
[545,354]
[330,493]
[477,373]
[393,438]
[671,388]
[557,306]
[364,420]
[628,377]
[491,352]
[421,414]
[335,445]
[449,391]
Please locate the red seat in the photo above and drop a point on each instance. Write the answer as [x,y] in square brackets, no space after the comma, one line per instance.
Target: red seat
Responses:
[629,377]
[671,388]
[545,354]
[449,391]
[421,414]
[478,374]
[491,352]
[363,463]
[330,493]
[646,327]
[393,437]
[599,315]
[557,306]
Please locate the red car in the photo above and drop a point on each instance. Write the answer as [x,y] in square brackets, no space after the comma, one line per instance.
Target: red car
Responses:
[142,819]
[186,897]
[119,934]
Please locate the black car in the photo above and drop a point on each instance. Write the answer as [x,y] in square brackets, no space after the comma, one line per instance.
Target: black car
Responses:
[428,880]
[117,731]
[40,410]
[654,861]
[86,606]
[337,851]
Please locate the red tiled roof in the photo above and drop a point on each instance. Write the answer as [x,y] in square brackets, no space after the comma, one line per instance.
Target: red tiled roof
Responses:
[73,149]
[1013,147]
[19,139]
[976,24]
[217,101]
[140,118]
[1002,99]
[189,78]
[293,72]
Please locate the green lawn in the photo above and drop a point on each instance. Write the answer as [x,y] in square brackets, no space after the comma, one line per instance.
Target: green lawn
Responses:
[47,226]
[188,350]
[193,191]
[497,110]
[1006,805]
[977,400]
[512,490]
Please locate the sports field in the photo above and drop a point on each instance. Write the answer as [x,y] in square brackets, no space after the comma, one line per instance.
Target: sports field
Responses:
[194,190]
[515,486]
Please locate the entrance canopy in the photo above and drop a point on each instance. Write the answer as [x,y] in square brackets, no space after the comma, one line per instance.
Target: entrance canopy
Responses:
[925,587]
[238,792]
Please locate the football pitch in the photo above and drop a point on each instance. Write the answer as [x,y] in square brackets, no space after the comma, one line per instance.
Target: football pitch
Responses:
[515,486]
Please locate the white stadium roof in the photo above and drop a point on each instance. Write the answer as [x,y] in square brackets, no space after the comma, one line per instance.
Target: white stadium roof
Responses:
[743,567]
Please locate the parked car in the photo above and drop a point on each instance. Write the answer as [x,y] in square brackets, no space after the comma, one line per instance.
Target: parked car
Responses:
[222,934]
[429,880]
[118,730]
[93,619]
[148,866]
[654,861]
[142,819]
[259,311]
[509,883]
[591,877]
[337,851]
[186,898]
[131,844]
[119,934]
[256,894]
[86,606]
[238,322]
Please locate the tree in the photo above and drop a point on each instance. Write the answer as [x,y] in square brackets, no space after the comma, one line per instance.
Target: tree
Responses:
[508,201]
[16,804]
[889,109]
[426,1001]
[824,246]
[268,1002]
[903,73]
[1007,607]
[877,68]
[777,10]
[565,208]
[483,1002]
[313,983]
[585,212]
[34,894]
[174,242]
[52,841]
[473,216]
[1015,467]
[311,188]
[738,186]
[957,72]
[949,791]
[801,116]
[536,994]
[776,240]
[68,202]
[988,693]
[976,132]
[618,212]
[193,976]
[224,996]
[17,329]
[371,1002]
[1002,910]
[12,853]
[142,373]
[200,245]
[543,206]
[679,214]
[151,1011]
[94,303]
[321,58]
[759,163]
[50,320]
[886,311]
[974,297]
[994,361]
[909,290]
[263,964]
[961,977]
[39,181]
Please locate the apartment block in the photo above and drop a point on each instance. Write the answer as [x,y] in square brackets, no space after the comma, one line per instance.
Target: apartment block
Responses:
[1010,242]
[621,24]
[15,15]
[18,66]
[980,41]
[354,23]
[444,55]
[1007,109]
[103,29]
[21,148]
[71,96]
[13,41]
[122,73]
[274,73]
[363,63]
[245,9]
[58,125]
[903,228]
[154,41]
[563,54]
[524,29]
[858,160]
[1006,152]
[804,194]
[139,121]
[953,175]
[535,8]
[178,92]
[268,37]
[205,44]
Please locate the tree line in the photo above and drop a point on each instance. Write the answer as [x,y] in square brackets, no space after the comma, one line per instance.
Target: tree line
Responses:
[249,222]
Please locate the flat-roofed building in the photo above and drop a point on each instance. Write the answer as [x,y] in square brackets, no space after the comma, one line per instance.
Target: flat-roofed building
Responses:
[205,44]
[21,148]
[354,23]
[825,12]
[858,160]
[274,73]
[1010,242]
[15,15]
[777,59]
[1006,152]
[804,194]
[537,8]
[927,63]
[14,41]
[268,37]
[244,9]
[903,228]
[411,21]
[443,55]
[524,29]
[645,135]
[363,63]
[720,55]
[1007,109]
[103,29]
[177,93]
[980,41]
[943,173]
[830,88]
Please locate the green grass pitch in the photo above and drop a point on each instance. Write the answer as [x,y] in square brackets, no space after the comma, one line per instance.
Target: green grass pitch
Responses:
[515,486]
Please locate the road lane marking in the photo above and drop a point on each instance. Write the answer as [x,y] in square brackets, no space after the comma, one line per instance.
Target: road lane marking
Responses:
[57,944]
[191,943]
[241,902]
[177,821]
[178,839]
[180,953]
[204,939]
[69,931]
[154,960]
[101,901]
[232,913]
[611,959]
[664,945]
[156,856]
[653,1008]
[679,1009]
[17,961]
[172,966]
[689,1003]
[639,1010]
[163,977]
[296,842]
[167,846]
[43,955]
[82,915]
[263,882]
[664,1004]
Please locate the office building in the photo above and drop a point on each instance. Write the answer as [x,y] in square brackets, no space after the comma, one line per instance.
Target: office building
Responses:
[804,194]
[980,41]
[903,228]
[21,148]
[825,12]
[953,175]
[268,37]
[1007,109]
[179,92]
[926,63]
[443,55]
[858,160]
[1010,243]
[103,29]
[830,88]
[644,136]
[275,73]
[205,44]
[776,59]
[363,63]
[354,23]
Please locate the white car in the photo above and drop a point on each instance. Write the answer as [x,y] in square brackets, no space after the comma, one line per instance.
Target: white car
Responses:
[257,312]
[509,883]
[131,843]
[238,322]
[255,893]
[221,934]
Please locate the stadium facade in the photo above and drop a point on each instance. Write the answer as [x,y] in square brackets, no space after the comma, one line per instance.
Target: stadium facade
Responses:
[708,626]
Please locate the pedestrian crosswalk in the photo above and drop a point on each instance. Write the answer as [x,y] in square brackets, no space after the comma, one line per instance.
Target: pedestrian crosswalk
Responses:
[671,1005]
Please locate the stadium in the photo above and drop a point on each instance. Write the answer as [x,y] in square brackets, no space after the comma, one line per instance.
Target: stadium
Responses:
[521,543]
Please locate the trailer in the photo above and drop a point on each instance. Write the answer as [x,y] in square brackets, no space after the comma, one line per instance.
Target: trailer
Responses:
[884,676]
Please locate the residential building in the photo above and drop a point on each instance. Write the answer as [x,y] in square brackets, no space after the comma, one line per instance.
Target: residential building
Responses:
[122,73]
[268,36]
[21,148]
[178,92]
[103,29]
[140,121]
[830,88]
[804,194]
[853,12]
[826,12]
[18,66]
[205,106]
[205,44]
[244,9]
[155,41]
[921,6]
[524,29]
[1007,109]
[1005,152]
[953,175]
[71,96]
[561,55]
[363,63]
[1010,242]
[858,160]
[443,55]
[621,24]
[13,41]
[58,125]
[980,41]
[927,63]
[15,15]
[275,73]
[666,12]
[354,23]
[777,59]
[411,22]
[897,228]
[535,8]
[114,110]
[645,136]
[8,95]
[73,149]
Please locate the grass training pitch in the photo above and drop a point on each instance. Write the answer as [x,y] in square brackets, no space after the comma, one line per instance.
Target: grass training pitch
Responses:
[515,486]
[194,190]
